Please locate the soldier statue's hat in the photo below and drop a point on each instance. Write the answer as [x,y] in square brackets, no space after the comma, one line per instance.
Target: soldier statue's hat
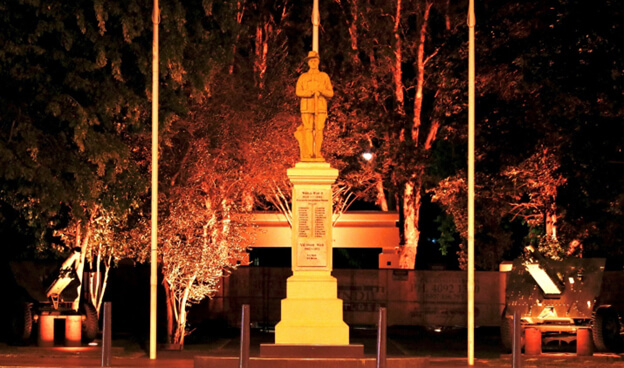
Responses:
[312,55]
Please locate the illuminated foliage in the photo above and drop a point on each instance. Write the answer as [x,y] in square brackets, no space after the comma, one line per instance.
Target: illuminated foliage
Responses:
[524,193]
[75,99]
[103,241]
[76,94]
[547,112]
[221,161]
[202,239]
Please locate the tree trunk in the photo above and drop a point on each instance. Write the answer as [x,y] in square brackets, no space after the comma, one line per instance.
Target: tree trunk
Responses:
[97,283]
[248,201]
[411,217]
[551,224]
[240,11]
[261,50]
[397,72]
[382,201]
[281,201]
[170,315]
[353,31]
[180,332]
[83,243]
[420,81]
[412,188]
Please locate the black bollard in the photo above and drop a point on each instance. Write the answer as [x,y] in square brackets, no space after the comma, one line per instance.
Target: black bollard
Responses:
[381,339]
[106,336]
[243,359]
[516,356]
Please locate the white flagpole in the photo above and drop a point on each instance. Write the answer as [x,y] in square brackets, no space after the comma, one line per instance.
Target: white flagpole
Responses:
[471,173]
[154,230]
[316,21]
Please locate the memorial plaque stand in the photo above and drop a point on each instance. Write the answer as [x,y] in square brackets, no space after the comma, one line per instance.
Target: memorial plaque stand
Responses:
[312,312]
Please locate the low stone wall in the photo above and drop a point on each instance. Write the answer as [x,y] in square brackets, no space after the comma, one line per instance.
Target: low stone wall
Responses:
[418,298]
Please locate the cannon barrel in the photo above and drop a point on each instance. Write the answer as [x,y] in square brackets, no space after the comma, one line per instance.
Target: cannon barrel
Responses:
[547,279]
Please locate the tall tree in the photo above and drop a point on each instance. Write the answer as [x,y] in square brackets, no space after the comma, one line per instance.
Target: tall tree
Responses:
[72,107]
[73,142]
[201,220]
[549,114]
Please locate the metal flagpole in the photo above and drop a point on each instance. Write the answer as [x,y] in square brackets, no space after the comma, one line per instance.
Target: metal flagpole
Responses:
[316,21]
[471,146]
[154,233]
[314,125]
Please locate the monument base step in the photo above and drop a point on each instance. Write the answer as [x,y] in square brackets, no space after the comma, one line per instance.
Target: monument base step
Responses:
[311,351]
[299,329]
[258,362]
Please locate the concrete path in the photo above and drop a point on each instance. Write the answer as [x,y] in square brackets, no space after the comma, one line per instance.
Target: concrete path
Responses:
[439,350]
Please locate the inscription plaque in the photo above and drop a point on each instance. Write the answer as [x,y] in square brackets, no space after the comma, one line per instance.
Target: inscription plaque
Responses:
[313,209]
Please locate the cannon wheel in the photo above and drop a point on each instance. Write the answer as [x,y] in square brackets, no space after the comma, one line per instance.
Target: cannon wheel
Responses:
[21,323]
[90,326]
[506,331]
[606,329]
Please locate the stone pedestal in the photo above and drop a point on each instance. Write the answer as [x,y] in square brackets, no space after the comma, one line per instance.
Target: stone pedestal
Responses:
[73,330]
[533,341]
[46,331]
[584,342]
[312,312]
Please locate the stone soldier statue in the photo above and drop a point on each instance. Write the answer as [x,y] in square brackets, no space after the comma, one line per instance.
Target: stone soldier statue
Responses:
[314,87]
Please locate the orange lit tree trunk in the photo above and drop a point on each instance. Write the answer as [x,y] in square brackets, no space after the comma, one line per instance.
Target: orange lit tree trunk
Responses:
[240,11]
[397,73]
[170,314]
[261,49]
[353,31]
[382,201]
[551,223]
[354,12]
[413,186]
[177,309]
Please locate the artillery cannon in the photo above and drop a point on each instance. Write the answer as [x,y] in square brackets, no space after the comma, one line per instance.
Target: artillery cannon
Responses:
[560,297]
[32,302]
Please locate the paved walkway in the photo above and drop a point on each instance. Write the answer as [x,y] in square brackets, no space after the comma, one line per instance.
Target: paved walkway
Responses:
[70,360]
[440,351]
